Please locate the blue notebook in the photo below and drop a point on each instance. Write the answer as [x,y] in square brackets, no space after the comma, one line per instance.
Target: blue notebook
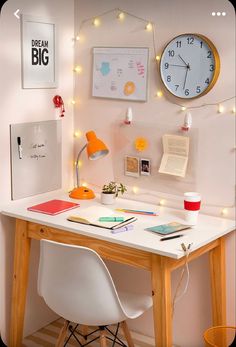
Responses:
[169,228]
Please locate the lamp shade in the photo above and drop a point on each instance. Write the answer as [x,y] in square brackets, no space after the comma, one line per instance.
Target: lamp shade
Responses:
[95,147]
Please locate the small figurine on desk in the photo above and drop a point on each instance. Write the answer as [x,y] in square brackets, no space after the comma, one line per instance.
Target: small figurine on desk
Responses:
[111,191]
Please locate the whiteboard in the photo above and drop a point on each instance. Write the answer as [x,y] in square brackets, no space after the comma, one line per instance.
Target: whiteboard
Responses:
[35,158]
[120,73]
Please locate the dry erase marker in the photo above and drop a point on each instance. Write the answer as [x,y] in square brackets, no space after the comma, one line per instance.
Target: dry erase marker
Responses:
[122,229]
[170,237]
[19,147]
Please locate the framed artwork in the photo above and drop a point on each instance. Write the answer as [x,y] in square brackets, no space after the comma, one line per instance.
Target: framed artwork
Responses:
[120,73]
[38,49]
[132,166]
[145,167]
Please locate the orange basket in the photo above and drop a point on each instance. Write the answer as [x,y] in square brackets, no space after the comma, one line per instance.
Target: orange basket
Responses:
[220,336]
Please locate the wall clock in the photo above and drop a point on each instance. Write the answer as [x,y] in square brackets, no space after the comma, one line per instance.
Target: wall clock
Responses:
[189,66]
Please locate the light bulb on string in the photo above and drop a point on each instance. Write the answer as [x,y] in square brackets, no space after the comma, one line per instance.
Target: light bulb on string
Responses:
[159,93]
[77,134]
[162,202]
[157,57]
[224,211]
[78,69]
[149,26]
[183,108]
[135,190]
[96,22]
[220,108]
[121,16]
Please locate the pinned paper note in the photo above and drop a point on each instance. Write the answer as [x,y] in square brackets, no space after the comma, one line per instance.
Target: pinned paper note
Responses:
[175,157]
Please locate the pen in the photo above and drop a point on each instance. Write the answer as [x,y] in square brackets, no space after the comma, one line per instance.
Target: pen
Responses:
[19,147]
[170,237]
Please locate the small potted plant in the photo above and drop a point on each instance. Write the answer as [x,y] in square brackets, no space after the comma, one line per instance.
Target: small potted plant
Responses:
[110,191]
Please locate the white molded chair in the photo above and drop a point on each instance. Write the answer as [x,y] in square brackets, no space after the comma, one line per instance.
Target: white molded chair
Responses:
[76,284]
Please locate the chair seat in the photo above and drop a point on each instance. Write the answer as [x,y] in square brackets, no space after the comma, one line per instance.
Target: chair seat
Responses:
[134,305]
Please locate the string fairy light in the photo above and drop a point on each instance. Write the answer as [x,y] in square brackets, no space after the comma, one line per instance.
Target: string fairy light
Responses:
[159,93]
[96,22]
[121,16]
[135,190]
[78,69]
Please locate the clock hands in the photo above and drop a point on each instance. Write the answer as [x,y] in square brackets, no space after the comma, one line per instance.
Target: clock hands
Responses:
[183,60]
[187,66]
[177,65]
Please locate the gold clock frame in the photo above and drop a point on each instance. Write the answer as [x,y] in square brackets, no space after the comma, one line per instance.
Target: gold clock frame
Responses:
[217,65]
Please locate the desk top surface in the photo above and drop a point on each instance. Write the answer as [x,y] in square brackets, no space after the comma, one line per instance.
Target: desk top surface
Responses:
[208,228]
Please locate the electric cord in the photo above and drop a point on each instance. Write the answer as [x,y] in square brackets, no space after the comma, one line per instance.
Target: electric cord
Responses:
[177,297]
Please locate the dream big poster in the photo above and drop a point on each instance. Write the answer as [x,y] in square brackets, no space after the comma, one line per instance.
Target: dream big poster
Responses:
[38,53]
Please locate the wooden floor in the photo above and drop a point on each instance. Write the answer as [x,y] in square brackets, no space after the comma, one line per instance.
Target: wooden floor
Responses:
[47,336]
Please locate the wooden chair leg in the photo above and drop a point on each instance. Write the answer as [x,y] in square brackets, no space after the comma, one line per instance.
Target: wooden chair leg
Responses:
[103,339]
[62,335]
[127,334]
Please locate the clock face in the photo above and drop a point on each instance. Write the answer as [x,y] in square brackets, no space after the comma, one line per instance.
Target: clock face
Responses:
[189,66]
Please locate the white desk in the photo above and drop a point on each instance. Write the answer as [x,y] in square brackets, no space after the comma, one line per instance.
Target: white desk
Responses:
[137,248]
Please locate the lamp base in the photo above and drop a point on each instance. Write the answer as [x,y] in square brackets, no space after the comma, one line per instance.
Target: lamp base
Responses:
[82,193]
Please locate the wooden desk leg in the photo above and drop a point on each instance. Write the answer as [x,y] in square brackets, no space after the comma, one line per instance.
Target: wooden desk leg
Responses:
[20,280]
[162,308]
[218,283]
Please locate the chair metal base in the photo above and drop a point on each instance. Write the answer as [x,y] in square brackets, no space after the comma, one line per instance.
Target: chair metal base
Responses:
[112,336]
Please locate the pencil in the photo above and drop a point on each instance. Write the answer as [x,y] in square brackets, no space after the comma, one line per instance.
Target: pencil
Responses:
[137,211]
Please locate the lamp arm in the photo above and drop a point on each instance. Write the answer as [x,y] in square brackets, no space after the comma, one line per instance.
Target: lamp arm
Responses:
[77,164]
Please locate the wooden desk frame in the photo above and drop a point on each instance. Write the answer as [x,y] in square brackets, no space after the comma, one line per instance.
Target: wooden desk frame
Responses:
[160,267]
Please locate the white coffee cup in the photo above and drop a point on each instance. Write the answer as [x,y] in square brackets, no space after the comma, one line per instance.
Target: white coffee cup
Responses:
[192,203]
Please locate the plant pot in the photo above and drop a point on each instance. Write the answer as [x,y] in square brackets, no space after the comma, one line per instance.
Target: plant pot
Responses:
[108,198]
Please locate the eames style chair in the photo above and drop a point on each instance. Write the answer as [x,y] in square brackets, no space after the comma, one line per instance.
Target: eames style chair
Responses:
[76,284]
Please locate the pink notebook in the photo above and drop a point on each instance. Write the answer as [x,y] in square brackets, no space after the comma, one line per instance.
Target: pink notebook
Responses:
[53,207]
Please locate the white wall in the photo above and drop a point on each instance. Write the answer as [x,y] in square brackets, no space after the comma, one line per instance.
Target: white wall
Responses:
[215,146]
[29,105]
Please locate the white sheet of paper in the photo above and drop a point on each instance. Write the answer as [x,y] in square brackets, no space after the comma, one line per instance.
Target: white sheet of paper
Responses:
[175,156]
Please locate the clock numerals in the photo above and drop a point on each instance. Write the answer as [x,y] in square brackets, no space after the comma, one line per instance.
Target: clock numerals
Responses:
[198,89]
[178,44]
[176,87]
[190,40]
[171,53]
[209,54]
[166,65]
[212,67]
[168,78]
[207,81]
[186,92]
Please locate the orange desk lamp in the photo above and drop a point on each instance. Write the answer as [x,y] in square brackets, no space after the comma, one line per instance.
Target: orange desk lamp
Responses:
[96,149]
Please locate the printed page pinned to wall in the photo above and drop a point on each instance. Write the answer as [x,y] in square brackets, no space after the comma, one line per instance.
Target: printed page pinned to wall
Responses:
[35,158]
[175,157]
[120,73]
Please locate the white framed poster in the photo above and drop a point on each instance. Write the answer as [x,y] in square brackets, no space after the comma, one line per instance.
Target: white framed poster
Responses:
[120,73]
[38,48]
